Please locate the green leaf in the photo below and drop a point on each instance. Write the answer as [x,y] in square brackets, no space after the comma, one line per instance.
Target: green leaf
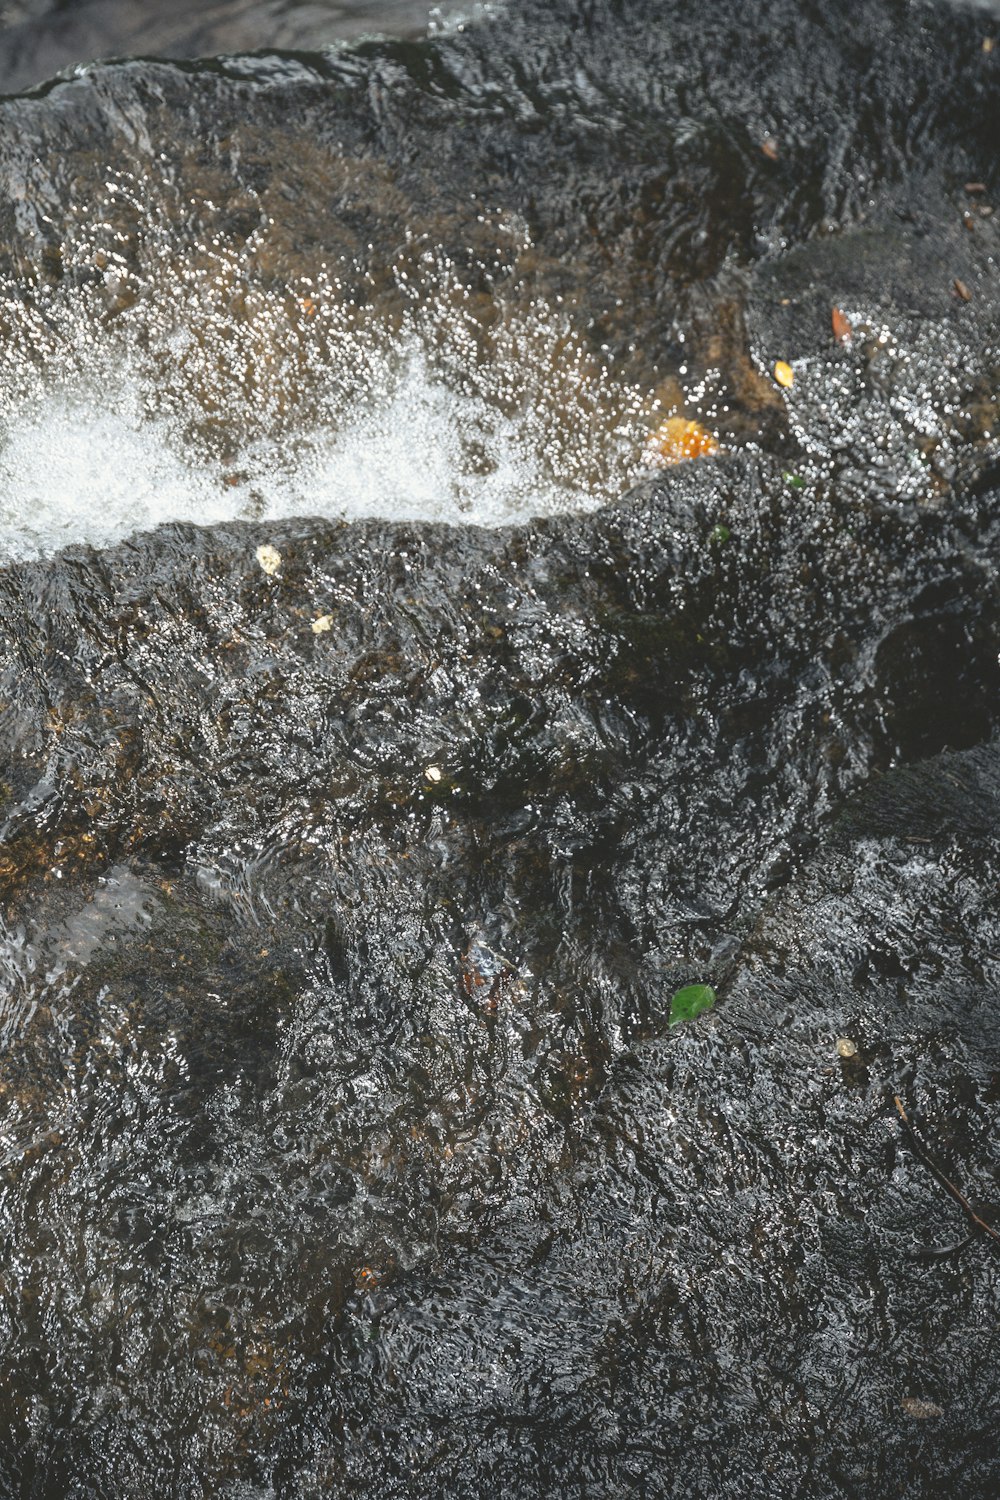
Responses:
[690,1002]
[719,534]
[795,480]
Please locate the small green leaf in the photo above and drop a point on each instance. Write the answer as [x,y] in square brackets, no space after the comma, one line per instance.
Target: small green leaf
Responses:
[795,480]
[719,534]
[690,1002]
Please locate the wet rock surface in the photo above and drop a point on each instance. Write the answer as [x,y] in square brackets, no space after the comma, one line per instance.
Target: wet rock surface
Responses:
[40,38]
[346,1145]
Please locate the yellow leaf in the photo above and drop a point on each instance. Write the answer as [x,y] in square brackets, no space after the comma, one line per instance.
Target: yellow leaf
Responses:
[783,373]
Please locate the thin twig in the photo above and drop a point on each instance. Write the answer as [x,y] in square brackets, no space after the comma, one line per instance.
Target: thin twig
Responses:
[958,1196]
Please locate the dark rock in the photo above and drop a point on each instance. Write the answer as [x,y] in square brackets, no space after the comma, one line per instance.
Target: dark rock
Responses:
[347,1147]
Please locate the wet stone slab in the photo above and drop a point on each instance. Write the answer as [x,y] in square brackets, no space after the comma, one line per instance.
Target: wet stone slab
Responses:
[41,39]
[348,868]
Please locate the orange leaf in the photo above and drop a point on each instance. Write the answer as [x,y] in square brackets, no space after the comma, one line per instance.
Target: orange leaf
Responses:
[842,329]
[676,440]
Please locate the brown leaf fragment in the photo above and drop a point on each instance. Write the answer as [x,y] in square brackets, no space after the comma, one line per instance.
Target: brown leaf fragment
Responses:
[842,329]
[770,148]
[968,221]
[914,1406]
[962,290]
[975,187]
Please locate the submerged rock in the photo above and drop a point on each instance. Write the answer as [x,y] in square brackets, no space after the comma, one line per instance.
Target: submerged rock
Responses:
[347,1145]
[39,38]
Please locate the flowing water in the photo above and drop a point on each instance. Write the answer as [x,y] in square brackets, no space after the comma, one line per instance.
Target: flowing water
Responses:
[389,729]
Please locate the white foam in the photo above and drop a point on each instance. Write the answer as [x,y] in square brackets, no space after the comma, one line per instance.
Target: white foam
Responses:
[303,405]
[418,450]
[78,471]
